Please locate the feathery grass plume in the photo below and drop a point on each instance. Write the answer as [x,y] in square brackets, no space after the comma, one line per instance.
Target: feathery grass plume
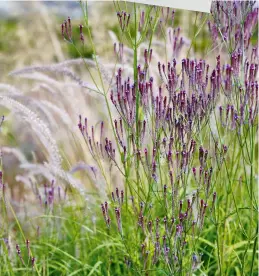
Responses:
[16,152]
[67,177]
[38,126]
[54,69]
[61,68]
[37,169]
[10,89]
[62,114]
[51,85]
[83,166]
[44,78]
[25,179]
[44,86]
[34,106]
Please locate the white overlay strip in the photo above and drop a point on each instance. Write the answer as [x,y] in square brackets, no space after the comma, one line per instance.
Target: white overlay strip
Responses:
[193,5]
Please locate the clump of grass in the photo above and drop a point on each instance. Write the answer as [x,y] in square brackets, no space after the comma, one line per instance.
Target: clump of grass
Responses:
[180,138]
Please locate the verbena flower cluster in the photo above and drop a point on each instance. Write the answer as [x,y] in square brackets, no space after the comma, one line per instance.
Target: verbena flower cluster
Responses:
[169,174]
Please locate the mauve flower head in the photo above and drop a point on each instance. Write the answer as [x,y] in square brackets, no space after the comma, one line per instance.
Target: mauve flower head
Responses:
[227,16]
